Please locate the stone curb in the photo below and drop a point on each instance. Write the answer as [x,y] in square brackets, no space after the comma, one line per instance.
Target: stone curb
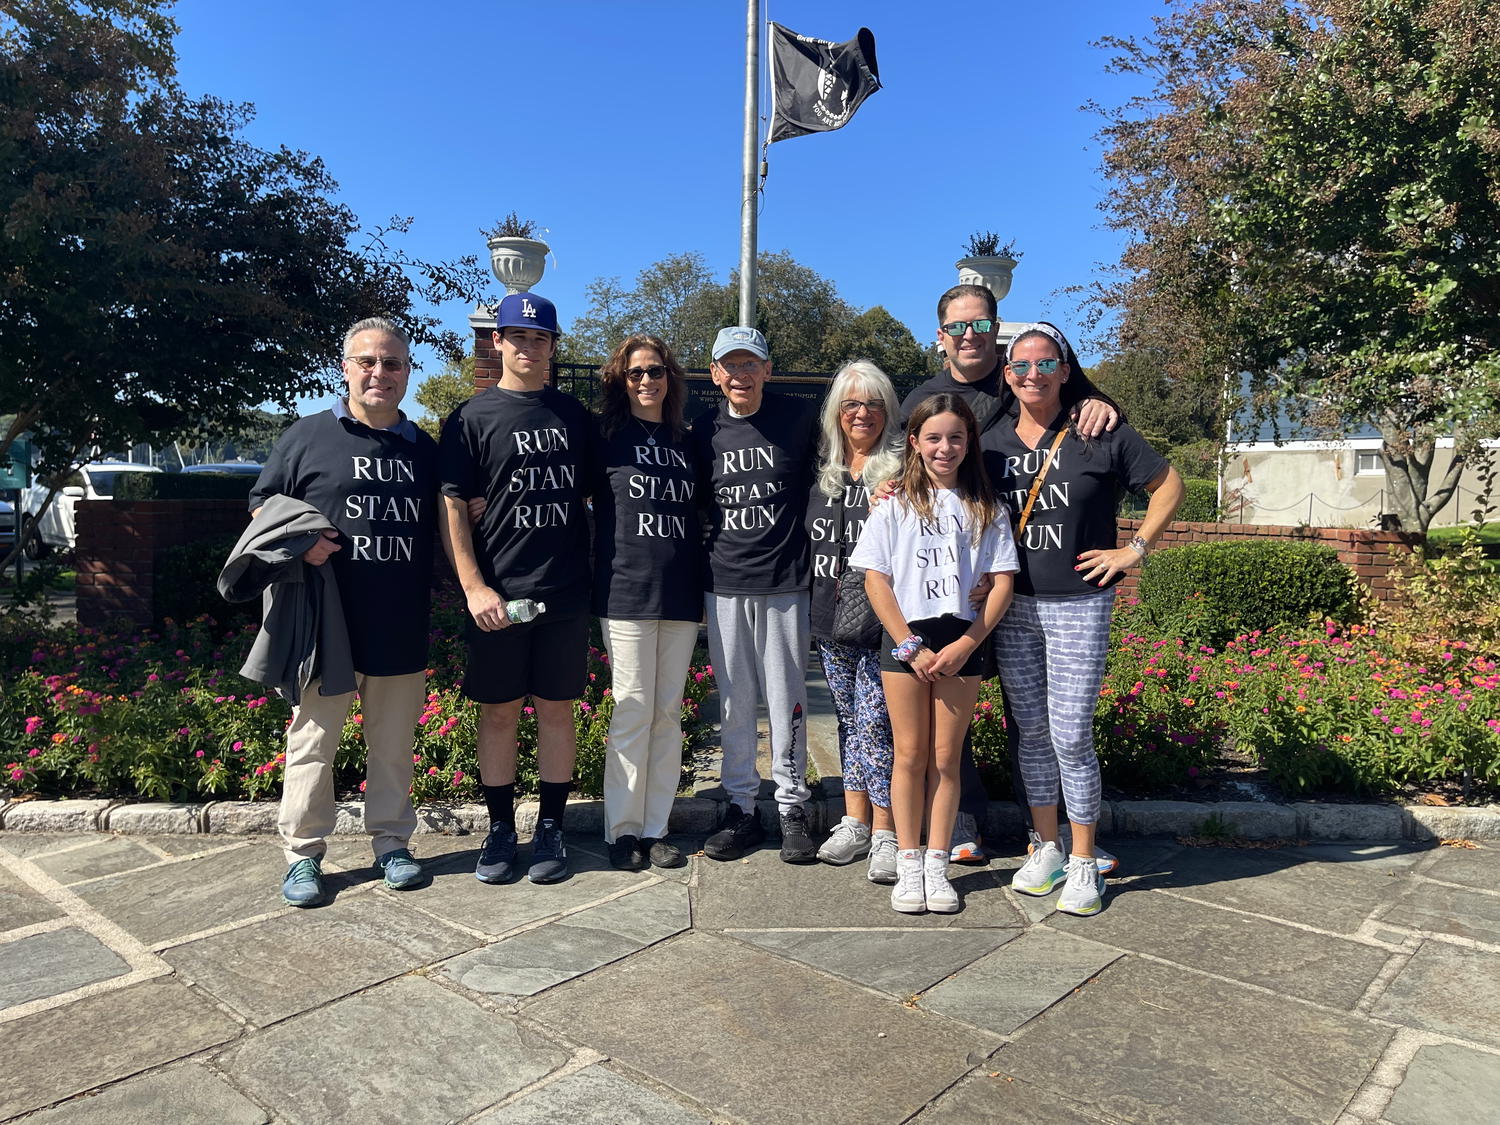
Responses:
[700,814]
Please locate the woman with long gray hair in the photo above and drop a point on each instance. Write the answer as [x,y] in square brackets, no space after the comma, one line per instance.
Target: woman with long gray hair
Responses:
[860,448]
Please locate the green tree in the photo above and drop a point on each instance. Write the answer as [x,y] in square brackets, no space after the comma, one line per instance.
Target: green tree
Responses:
[1312,195]
[1167,408]
[439,395]
[878,336]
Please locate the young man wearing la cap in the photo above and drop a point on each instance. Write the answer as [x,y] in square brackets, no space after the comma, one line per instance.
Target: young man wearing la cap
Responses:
[522,447]
[757,450]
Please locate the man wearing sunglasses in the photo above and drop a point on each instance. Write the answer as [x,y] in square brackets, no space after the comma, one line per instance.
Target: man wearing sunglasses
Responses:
[968,333]
[757,451]
[372,474]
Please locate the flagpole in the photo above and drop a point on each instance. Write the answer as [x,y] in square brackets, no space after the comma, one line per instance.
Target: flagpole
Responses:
[748,200]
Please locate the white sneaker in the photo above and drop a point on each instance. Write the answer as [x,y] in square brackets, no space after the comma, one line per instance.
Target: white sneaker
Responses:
[883,848]
[907,895]
[941,897]
[849,840]
[1084,892]
[1108,863]
[1044,869]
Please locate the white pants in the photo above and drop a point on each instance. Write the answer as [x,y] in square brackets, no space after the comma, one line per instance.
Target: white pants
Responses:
[648,662]
[390,706]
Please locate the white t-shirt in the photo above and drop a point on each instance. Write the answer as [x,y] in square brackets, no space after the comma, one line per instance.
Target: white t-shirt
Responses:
[933,564]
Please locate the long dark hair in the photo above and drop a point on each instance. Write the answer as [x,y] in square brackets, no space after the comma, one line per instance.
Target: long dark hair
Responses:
[614,402]
[972,483]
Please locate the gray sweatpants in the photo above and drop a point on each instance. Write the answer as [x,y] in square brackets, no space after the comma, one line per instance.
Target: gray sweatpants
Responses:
[758,643]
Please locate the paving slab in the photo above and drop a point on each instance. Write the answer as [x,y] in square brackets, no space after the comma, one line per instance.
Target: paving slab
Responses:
[982,1100]
[760,892]
[592,1096]
[108,856]
[537,959]
[20,905]
[183,1094]
[52,963]
[55,1054]
[900,962]
[1284,959]
[1018,981]
[26,844]
[1448,989]
[354,1060]
[184,843]
[285,965]
[679,1011]
[1400,858]
[1148,1043]
[1447,1085]
[1448,910]
[1473,867]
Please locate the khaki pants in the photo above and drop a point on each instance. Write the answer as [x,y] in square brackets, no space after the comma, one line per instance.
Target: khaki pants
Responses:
[390,706]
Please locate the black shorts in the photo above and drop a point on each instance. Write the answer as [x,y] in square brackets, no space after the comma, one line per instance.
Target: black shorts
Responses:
[937,632]
[546,659]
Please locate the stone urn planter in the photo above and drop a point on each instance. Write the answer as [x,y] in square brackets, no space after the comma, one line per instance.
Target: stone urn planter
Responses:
[518,262]
[993,271]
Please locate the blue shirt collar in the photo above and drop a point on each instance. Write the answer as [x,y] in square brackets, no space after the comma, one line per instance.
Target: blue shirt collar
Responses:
[405,428]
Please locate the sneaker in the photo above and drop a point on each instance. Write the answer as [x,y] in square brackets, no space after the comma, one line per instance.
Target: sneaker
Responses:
[964,845]
[883,848]
[549,855]
[1043,870]
[908,895]
[303,885]
[1108,863]
[660,853]
[1084,891]
[796,840]
[941,897]
[850,840]
[402,872]
[628,853]
[742,831]
[497,858]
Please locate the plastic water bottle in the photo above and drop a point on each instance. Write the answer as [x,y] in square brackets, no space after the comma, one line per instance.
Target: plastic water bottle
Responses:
[524,609]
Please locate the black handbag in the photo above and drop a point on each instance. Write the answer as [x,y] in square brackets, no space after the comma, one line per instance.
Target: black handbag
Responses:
[854,620]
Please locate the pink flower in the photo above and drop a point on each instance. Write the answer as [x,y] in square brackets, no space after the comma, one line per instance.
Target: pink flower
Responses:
[236,746]
[34,752]
[198,754]
[432,771]
[33,724]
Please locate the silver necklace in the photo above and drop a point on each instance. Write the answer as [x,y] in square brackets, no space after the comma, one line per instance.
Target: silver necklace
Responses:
[650,434]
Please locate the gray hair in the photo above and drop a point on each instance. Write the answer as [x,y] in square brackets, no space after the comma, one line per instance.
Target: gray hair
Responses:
[884,461]
[376,324]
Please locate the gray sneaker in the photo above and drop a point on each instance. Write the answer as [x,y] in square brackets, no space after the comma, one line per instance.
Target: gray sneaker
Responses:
[883,849]
[549,855]
[401,871]
[849,840]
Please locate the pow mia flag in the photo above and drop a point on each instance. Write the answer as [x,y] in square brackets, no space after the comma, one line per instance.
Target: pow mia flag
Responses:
[816,85]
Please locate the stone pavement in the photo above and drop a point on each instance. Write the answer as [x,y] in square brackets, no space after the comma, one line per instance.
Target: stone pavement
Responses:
[158,979]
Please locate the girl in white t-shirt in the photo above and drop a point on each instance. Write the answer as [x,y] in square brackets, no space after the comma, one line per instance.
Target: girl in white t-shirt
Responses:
[923,551]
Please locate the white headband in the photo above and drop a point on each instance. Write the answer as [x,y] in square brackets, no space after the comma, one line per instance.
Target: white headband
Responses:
[1046,330]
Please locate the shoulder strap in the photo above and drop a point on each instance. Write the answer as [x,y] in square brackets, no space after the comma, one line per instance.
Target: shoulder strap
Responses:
[1036,484]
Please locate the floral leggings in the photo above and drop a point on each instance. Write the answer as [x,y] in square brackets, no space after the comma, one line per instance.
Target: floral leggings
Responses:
[865,747]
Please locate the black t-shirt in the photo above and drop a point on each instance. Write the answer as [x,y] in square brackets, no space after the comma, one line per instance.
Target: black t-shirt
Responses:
[1075,509]
[379,490]
[528,453]
[833,527]
[648,542]
[756,472]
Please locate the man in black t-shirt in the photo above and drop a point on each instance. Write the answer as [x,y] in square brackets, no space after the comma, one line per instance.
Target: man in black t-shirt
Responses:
[373,474]
[522,446]
[757,450]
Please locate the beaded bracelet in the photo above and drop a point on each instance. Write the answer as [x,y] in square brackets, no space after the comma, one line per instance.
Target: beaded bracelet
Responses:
[908,648]
[1139,546]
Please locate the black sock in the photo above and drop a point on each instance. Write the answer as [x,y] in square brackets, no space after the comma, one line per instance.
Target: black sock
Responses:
[501,802]
[553,798]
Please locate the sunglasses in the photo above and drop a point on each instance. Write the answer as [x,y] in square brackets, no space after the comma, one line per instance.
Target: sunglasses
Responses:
[389,363]
[852,405]
[637,374]
[1021,368]
[957,328]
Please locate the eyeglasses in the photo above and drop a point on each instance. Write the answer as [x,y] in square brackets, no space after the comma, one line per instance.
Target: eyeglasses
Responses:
[957,328]
[1022,367]
[852,405]
[391,363]
[637,374]
[748,367]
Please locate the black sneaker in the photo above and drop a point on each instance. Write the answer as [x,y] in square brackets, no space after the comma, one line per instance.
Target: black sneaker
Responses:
[796,841]
[497,859]
[628,853]
[549,855]
[661,853]
[741,832]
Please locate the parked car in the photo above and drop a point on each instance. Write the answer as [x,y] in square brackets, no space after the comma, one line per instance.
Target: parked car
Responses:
[245,468]
[57,530]
[7,527]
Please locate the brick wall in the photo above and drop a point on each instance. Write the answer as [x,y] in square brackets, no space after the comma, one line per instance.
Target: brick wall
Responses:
[1368,553]
[120,541]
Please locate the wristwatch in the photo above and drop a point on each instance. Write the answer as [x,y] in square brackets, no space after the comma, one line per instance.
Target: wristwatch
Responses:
[1139,546]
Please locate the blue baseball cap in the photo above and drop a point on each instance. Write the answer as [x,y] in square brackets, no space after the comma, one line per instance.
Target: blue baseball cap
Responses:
[526,310]
[738,338]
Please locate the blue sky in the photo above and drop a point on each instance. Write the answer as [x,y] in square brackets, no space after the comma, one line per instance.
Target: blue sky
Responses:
[617,126]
